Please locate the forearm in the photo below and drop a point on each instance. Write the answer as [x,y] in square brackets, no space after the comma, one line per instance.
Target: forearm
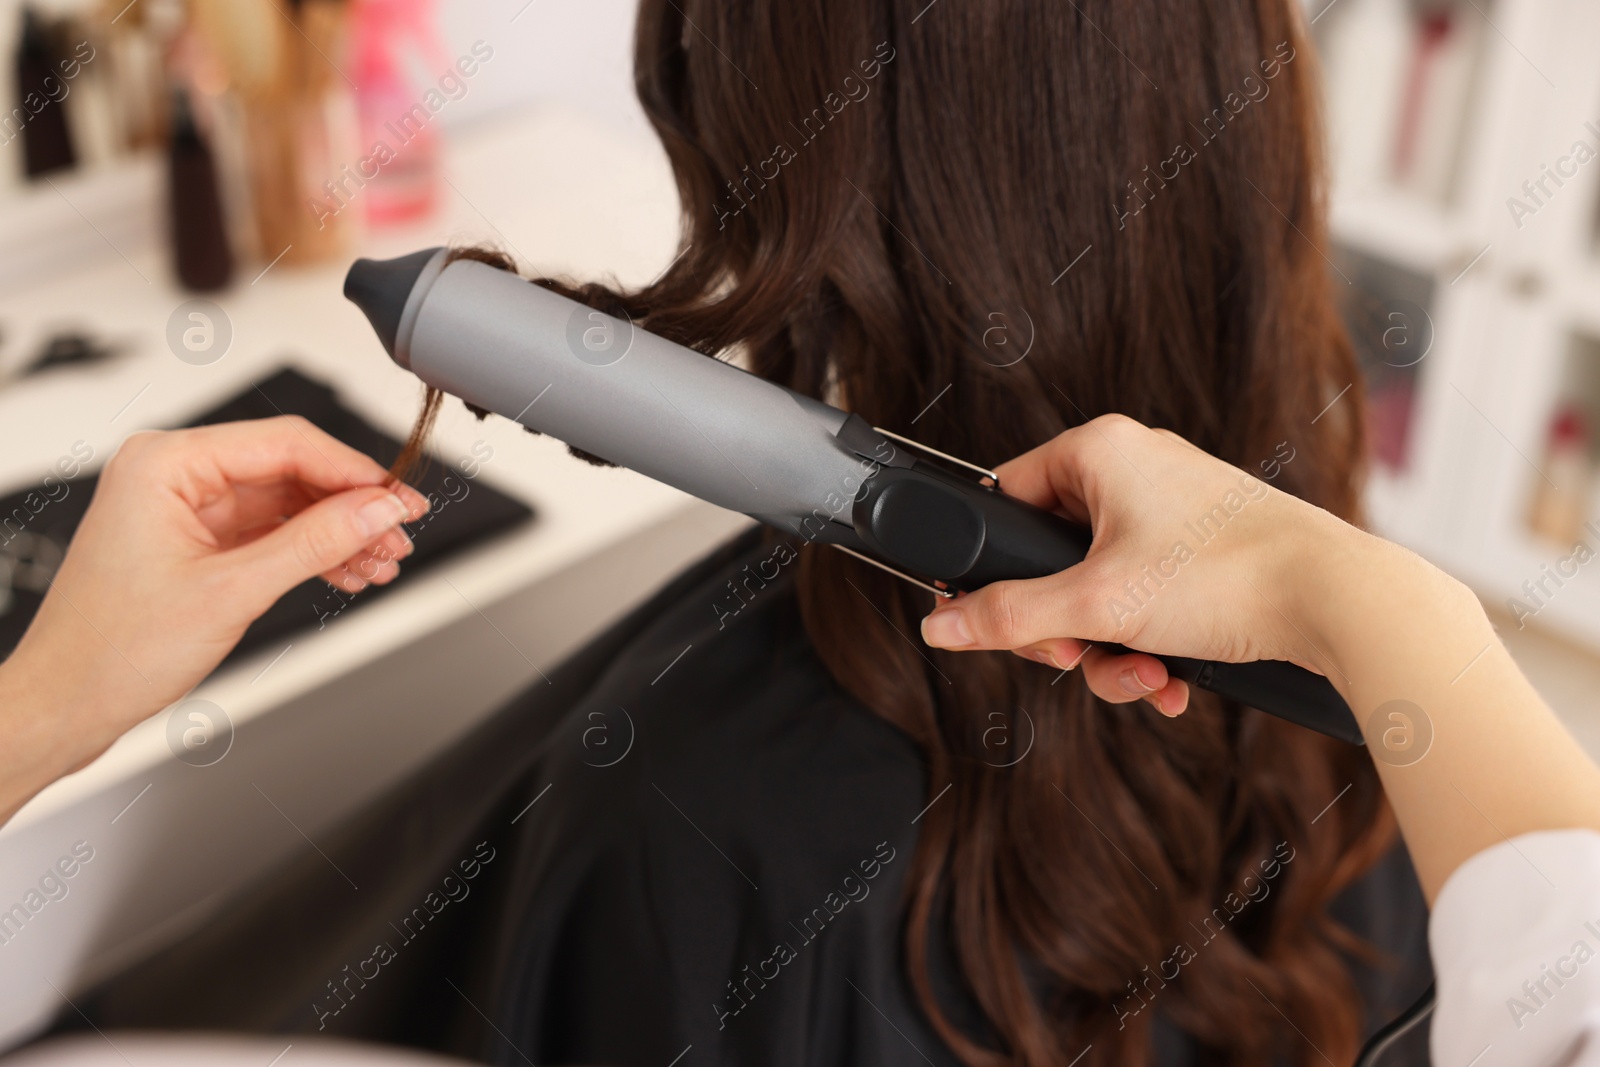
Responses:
[1414,655]
[43,731]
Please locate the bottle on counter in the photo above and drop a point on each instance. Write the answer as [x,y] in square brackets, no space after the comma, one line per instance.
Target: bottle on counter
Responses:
[46,141]
[294,127]
[1561,496]
[198,225]
[405,180]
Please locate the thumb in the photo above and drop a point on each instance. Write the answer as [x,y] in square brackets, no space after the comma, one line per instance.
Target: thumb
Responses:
[318,539]
[1010,615]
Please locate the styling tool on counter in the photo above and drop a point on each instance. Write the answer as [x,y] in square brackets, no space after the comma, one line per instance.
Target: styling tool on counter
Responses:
[67,348]
[610,389]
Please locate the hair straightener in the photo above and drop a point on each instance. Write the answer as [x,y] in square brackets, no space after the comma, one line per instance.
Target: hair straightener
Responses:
[615,391]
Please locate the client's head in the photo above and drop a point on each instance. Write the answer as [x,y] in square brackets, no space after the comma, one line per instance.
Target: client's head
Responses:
[977,224]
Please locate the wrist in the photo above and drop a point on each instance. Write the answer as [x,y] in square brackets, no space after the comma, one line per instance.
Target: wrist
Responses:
[43,734]
[1362,600]
[34,745]
[1322,555]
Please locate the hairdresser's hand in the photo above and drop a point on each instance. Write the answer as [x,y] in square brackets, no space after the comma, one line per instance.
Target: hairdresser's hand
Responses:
[190,536]
[1269,576]
[1191,557]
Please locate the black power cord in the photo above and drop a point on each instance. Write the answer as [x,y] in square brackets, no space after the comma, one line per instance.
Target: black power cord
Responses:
[1384,1039]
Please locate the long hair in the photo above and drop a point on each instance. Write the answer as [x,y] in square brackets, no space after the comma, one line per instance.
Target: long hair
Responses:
[978,224]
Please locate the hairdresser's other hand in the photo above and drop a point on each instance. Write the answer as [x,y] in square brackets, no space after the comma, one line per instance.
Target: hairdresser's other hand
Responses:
[191,535]
[1191,557]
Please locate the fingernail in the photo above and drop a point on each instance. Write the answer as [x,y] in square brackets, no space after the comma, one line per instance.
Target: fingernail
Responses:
[382,514]
[1133,684]
[1162,705]
[1047,659]
[410,547]
[1082,652]
[946,629]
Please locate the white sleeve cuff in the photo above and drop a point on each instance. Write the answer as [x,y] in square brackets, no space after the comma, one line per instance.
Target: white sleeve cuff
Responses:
[1515,937]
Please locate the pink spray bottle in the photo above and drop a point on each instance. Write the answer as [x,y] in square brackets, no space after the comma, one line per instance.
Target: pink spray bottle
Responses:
[389,40]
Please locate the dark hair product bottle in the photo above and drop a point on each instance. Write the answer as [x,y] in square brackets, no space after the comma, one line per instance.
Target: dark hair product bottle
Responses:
[199,232]
[46,143]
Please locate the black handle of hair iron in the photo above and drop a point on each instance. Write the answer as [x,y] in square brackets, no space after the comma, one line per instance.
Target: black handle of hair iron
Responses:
[619,392]
[966,535]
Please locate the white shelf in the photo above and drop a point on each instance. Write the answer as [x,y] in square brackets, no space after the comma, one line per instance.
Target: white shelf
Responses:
[1578,297]
[1402,228]
[1503,328]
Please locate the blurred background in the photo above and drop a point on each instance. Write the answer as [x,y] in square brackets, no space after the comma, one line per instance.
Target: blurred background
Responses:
[183,182]
[1464,219]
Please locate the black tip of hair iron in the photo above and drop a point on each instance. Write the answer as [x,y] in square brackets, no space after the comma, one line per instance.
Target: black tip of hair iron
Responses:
[716,432]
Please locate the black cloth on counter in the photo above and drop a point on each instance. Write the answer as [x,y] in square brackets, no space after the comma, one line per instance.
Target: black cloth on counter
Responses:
[36,525]
[688,842]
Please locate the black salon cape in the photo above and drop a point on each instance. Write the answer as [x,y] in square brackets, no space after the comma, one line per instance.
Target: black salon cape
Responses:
[688,843]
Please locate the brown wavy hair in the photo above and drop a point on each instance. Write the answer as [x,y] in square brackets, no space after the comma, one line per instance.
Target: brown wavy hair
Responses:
[978,224]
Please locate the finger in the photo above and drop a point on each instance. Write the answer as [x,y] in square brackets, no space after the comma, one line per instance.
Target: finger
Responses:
[395,544]
[246,507]
[1050,476]
[1104,672]
[1065,654]
[345,579]
[1120,678]
[244,537]
[354,577]
[319,539]
[375,569]
[289,448]
[1061,473]
[1172,699]
[1124,678]
[370,563]
[1062,653]
[1009,615]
